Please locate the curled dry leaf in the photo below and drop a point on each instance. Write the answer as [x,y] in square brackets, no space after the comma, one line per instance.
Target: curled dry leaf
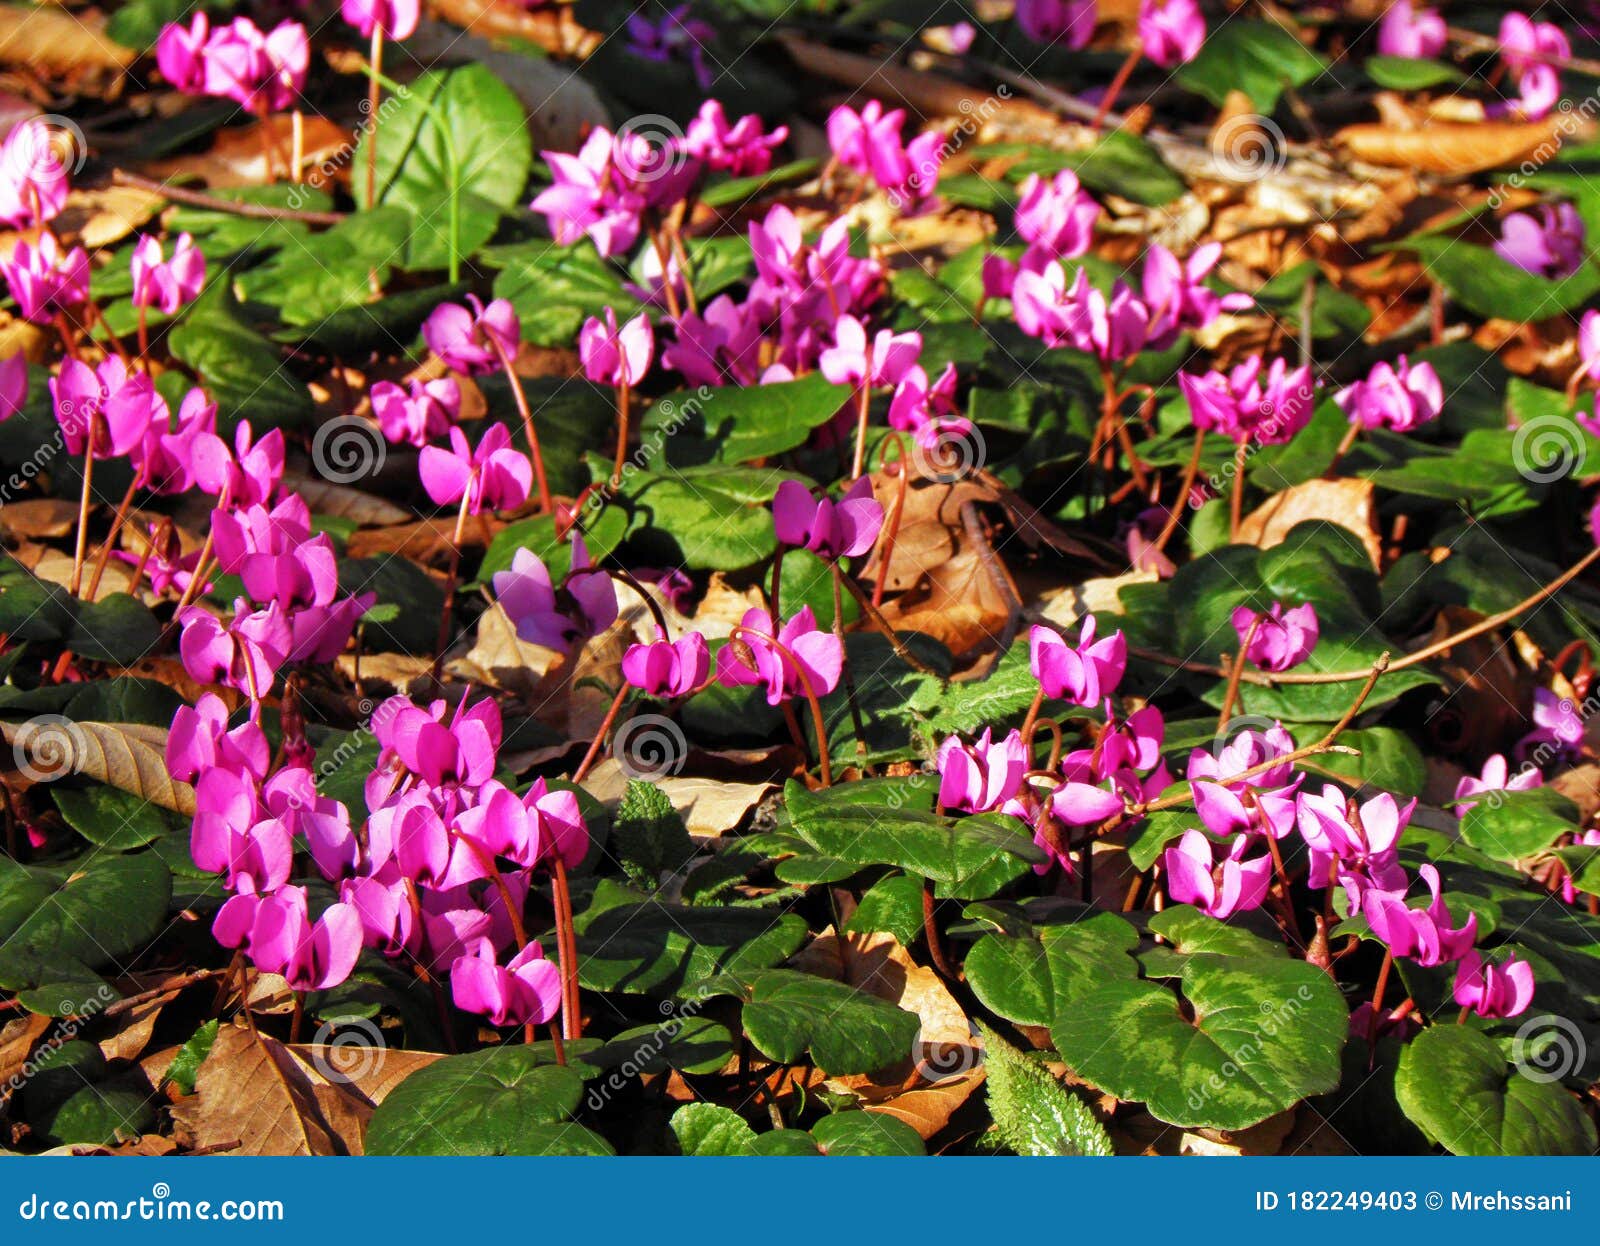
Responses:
[1454,149]
[130,756]
[1347,502]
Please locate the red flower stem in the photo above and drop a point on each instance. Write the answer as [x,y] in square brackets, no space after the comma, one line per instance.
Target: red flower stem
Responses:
[865,399]
[930,931]
[623,396]
[83,510]
[777,579]
[849,678]
[1348,440]
[1236,502]
[117,521]
[374,91]
[1124,72]
[450,583]
[599,740]
[566,952]
[144,335]
[527,421]
[1181,502]
[665,259]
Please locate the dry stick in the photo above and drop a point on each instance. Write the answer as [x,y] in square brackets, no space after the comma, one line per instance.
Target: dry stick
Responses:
[875,617]
[1181,502]
[1324,745]
[83,510]
[527,420]
[811,695]
[1345,442]
[232,207]
[1472,41]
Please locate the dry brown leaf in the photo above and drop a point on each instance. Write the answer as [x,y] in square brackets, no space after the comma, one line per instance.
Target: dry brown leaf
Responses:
[365,510]
[18,1038]
[1459,150]
[236,157]
[929,1109]
[50,39]
[40,517]
[106,215]
[370,1072]
[130,756]
[56,566]
[135,1027]
[712,807]
[265,1096]
[1347,502]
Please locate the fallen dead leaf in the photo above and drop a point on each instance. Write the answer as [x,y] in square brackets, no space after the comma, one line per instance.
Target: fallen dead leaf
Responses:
[1347,502]
[52,40]
[130,756]
[1459,150]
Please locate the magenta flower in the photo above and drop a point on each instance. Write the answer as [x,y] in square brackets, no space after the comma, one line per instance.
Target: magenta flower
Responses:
[119,406]
[832,530]
[1246,405]
[262,72]
[1589,344]
[494,476]
[1177,295]
[33,176]
[1253,812]
[585,606]
[1218,888]
[460,751]
[1421,935]
[1082,316]
[45,281]
[750,658]
[418,415]
[248,474]
[1495,777]
[1245,750]
[1532,52]
[1557,729]
[1399,397]
[200,741]
[258,859]
[166,284]
[869,143]
[603,190]
[664,668]
[311,956]
[1070,22]
[1410,32]
[1084,675]
[1353,845]
[982,776]
[396,18]
[853,360]
[1057,215]
[13,385]
[245,655]
[472,339]
[180,54]
[526,990]
[1277,639]
[743,149]
[613,356]
[1548,242]
[719,347]
[165,458]
[1494,989]
[1171,31]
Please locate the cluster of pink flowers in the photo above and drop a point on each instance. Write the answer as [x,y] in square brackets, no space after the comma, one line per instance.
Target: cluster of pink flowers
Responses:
[1264,404]
[1400,397]
[870,143]
[262,71]
[1531,52]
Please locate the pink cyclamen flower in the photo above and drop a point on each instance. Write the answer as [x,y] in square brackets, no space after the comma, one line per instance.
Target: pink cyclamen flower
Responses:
[1171,31]
[166,284]
[180,54]
[853,360]
[742,149]
[1069,22]
[248,474]
[1218,888]
[1353,845]
[311,956]
[1177,295]
[1278,639]
[1496,776]
[493,476]
[589,196]
[1411,32]
[1243,751]
[1525,43]
[13,384]
[1494,989]
[1589,344]
[45,280]
[982,776]
[1548,242]
[1084,675]
[472,339]
[1421,935]
[613,356]
[262,72]
[1399,396]
[33,175]
[1557,732]
[245,655]
[809,658]
[664,668]
[396,18]
[1247,404]
[1082,316]
[200,740]
[585,606]
[833,530]
[526,990]
[417,415]
[1057,215]
[119,406]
